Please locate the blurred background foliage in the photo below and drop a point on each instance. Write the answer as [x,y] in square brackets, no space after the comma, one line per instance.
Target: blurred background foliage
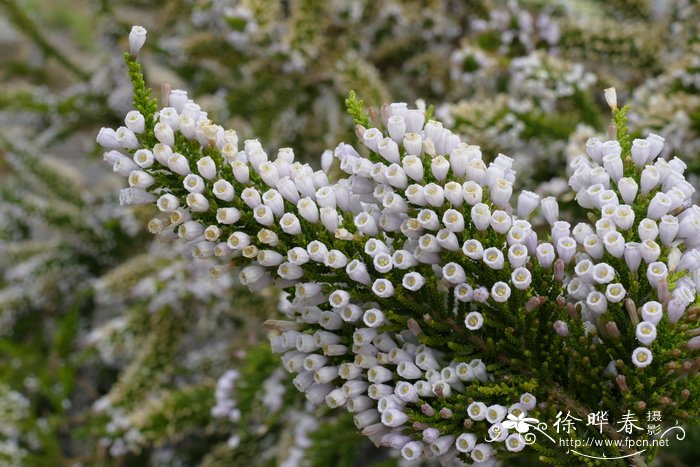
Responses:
[114,350]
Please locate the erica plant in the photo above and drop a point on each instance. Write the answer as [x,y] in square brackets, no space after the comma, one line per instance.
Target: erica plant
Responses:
[453,317]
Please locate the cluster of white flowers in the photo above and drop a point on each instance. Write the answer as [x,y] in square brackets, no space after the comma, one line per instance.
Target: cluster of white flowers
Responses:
[14,408]
[421,221]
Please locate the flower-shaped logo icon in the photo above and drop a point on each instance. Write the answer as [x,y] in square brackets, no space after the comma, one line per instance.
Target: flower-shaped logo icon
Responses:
[519,422]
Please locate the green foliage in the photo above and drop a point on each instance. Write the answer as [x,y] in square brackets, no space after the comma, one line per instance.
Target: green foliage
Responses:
[356,108]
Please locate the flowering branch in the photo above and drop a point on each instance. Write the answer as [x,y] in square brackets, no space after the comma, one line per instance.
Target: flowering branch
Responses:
[416,295]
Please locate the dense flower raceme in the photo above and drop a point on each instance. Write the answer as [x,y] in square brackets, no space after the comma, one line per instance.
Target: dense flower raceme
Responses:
[418,295]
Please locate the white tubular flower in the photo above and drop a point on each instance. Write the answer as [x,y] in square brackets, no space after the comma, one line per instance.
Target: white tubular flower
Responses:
[500,222]
[396,176]
[493,257]
[416,195]
[604,226]
[107,138]
[366,224]
[439,167]
[193,183]
[577,289]
[545,254]
[164,133]
[650,179]
[137,37]
[481,216]
[628,189]
[652,312]
[178,99]
[434,194]
[528,401]
[290,271]
[272,199]
[357,271]
[645,332]
[406,391]
[287,188]
[624,217]
[238,240]
[614,243]
[472,192]
[197,202]
[550,209]
[656,272]
[394,203]
[476,171]
[135,197]
[641,152]
[241,171]
[477,411]
[454,273]
[650,251]
[394,418]
[465,442]
[212,233]
[495,413]
[441,445]
[317,251]
[168,203]
[383,288]
[474,320]
[517,255]
[668,229]
[223,190]
[603,273]
[135,121]
[187,126]
[263,215]
[615,293]
[308,210]
[464,292]
[527,203]
[593,246]
[329,218]
[566,249]
[497,432]
[596,302]
[140,179]
[642,357]
[659,206]
[298,256]
[611,98]
[413,143]
[647,230]
[473,249]
[500,292]
[325,196]
[515,442]
[413,450]
[413,167]
[428,219]
[454,193]
[122,165]
[206,167]
[453,220]
[269,258]
[290,224]
[448,240]
[383,263]
[521,278]
[227,216]
[335,259]
[179,164]
[613,165]
[501,192]
[144,158]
